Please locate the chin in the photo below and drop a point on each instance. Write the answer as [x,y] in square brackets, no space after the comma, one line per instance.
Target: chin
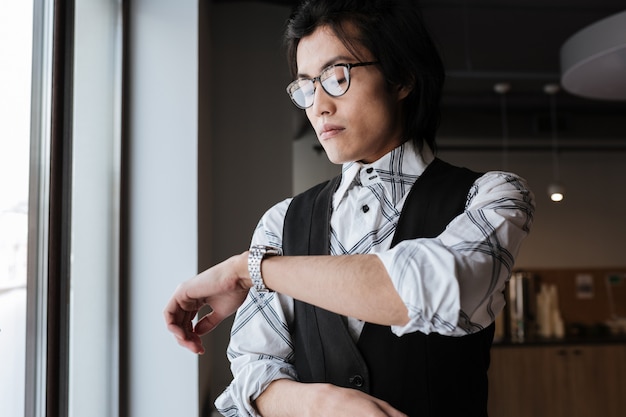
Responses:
[339,156]
[333,157]
[336,159]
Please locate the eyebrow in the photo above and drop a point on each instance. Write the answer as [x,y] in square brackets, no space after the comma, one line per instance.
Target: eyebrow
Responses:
[334,61]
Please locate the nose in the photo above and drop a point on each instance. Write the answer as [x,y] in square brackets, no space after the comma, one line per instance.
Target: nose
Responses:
[323,103]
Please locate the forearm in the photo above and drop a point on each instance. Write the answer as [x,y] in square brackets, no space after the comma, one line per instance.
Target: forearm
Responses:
[286,398]
[353,285]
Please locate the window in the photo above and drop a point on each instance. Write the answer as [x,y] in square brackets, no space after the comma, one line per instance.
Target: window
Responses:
[72,279]
[16,25]
[58,273]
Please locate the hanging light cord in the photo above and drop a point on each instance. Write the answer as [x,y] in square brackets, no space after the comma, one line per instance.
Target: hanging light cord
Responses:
[551,90]
[505,133]
[502,89]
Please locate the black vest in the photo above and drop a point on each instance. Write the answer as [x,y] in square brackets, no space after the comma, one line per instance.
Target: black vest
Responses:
[419,374]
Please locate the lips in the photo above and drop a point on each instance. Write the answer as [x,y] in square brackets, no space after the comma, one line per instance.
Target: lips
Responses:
[329,130]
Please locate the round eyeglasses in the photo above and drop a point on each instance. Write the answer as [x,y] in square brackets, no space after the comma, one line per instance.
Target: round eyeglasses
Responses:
[335,80]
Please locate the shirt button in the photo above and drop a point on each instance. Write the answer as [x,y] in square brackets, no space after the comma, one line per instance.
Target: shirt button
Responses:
[369,170]
[357,380]
[365,208]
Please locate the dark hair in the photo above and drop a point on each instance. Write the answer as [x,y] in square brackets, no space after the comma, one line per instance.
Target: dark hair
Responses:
[394,32]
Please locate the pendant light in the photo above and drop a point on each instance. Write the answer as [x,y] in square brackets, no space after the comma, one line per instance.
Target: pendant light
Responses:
[556,190]
[593,60]
[502,89]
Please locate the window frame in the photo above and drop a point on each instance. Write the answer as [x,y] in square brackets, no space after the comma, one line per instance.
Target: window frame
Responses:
[53,225]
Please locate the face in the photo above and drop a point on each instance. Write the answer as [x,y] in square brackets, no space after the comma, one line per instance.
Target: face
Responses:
[361,125]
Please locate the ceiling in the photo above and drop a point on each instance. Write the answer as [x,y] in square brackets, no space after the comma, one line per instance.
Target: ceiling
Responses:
[485,42]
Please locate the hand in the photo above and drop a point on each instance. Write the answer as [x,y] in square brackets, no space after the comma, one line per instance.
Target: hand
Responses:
[285,398]
[222,287]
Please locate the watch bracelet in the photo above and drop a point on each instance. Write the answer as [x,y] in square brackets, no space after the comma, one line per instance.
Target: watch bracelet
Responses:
[256,255]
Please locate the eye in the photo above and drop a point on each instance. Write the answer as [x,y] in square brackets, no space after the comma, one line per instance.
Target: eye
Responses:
[341,75]
[335,80]
[306,87]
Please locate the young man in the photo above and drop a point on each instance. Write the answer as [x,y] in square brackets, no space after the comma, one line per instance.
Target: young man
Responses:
[384,301]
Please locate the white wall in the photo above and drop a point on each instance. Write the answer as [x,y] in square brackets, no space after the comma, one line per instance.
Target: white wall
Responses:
[95,214]
[163,200]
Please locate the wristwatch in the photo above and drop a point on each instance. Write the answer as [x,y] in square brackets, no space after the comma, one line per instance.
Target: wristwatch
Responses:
[256,254]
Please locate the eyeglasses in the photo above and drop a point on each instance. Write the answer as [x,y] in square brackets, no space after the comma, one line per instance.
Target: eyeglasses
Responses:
[335,80]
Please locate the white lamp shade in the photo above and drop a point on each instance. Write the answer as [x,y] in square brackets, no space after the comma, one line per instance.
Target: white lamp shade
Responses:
[593,60]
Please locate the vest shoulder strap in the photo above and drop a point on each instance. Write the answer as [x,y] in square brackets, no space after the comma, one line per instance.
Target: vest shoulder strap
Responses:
[307,224]
[438,196]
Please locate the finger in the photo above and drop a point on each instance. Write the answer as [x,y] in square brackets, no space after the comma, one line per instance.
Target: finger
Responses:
[177,331]
[207,323]
[389,410]
[194,344]
[182,301]
[174,312]
[189,340]
[177,317]
[184,334]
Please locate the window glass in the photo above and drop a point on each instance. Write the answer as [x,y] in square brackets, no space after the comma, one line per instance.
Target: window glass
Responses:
[16,28]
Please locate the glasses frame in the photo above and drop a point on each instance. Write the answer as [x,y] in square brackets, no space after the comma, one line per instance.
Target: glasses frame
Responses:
[292,86]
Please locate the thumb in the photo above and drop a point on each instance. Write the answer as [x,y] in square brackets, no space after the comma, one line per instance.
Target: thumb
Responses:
[207,323]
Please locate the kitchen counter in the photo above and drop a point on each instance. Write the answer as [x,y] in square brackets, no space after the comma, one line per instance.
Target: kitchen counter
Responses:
[570,377]
[566,341]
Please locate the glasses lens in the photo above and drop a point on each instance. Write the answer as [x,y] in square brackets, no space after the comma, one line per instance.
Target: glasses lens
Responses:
[335,80]
[302,93]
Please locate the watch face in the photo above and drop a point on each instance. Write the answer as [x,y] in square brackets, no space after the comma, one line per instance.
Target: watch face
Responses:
[266,250]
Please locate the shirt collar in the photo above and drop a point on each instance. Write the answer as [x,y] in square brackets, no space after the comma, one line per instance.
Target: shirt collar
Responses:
[396,171]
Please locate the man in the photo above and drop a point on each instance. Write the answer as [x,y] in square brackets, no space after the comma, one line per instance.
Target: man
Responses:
[384,301]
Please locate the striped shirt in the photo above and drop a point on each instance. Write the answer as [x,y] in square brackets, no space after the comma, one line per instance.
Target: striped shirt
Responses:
[451,284]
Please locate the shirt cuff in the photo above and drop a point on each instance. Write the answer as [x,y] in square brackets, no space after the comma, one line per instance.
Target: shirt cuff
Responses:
[423,273]
[238,398]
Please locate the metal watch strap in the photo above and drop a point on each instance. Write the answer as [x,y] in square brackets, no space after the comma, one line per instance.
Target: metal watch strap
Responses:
[256,254]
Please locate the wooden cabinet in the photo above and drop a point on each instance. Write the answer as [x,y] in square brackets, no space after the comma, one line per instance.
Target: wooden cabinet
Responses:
[555,381]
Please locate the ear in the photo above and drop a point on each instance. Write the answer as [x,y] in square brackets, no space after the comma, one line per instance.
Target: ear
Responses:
[404,91]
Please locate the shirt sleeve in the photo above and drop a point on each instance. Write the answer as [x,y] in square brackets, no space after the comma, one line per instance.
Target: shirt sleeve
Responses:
[453,284]
[260,348]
